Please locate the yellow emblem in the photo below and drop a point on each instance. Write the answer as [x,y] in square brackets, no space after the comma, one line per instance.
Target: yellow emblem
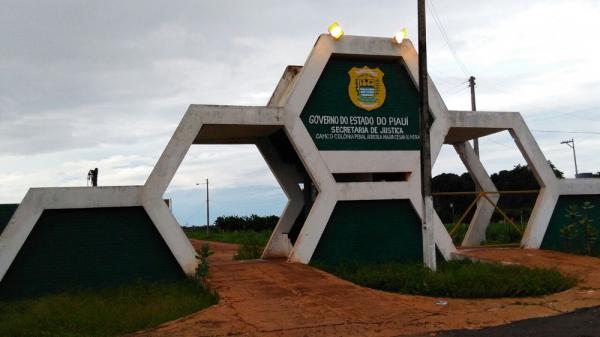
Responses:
[366,88]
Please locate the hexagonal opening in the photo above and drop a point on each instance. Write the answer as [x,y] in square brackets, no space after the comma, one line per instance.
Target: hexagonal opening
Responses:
[257,156]
[508,212]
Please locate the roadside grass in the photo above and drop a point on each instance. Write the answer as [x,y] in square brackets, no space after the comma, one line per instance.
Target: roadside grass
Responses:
[251,243]
[107,312]
[497,233]
[454,279]
[238,237]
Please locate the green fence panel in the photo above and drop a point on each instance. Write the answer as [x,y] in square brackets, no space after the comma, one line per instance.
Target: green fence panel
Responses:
[555,240]
[6,212]
[89,248]
[371,231]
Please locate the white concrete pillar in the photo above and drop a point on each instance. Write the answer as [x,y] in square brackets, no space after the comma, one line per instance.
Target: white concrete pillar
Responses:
[484,211]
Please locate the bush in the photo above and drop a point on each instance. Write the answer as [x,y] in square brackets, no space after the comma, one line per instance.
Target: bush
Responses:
[201,275]
[250,249]
[246,223]
[456,279]
[580,234]
[503,233]
[497,233]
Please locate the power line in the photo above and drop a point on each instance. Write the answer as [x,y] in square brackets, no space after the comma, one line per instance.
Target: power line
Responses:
[461,87]
[444,33]
[499,143]
[461,91]
[580,132]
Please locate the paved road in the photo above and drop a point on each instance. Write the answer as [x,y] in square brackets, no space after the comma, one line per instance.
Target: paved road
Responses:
[580,323]
[276,298]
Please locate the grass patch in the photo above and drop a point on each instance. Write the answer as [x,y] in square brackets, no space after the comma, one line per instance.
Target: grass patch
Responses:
[454,279]
[497,233]
[239,237]
[251,248]
[251,243]
[107,312]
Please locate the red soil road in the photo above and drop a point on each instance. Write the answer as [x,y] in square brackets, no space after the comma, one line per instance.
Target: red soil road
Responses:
[276,298]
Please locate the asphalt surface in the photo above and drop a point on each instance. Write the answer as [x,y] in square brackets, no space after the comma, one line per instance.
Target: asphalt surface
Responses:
[580,323]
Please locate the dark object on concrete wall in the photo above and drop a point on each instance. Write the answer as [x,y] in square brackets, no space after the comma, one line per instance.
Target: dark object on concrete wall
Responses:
[92,177]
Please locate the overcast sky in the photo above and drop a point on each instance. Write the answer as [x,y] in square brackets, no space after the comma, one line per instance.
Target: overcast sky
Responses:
[103,84]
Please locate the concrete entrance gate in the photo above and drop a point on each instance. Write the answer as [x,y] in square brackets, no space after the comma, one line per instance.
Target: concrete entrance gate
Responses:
[336,175]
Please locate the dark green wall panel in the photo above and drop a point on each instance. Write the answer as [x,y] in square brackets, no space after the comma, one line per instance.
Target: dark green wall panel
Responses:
[96,247]
[371,231]
[554,240]
[6,212]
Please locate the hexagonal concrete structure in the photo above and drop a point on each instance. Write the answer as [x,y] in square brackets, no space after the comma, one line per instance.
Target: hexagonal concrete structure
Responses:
[340,177]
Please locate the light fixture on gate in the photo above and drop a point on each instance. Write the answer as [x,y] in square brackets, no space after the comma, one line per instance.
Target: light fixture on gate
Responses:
[400,36]
[335,30]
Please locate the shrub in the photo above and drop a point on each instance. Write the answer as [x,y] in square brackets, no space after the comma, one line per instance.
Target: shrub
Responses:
[580,231]
[250,249]
[457,279]
[202,268]
[503,233]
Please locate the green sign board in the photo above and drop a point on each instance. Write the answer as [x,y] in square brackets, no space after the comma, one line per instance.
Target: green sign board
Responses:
[363,104]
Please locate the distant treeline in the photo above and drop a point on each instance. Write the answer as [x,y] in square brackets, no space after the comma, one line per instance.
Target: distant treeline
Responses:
[235,223]
[449,208]
[516,206]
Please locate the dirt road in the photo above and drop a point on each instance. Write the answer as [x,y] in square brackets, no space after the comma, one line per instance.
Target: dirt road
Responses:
[276,298]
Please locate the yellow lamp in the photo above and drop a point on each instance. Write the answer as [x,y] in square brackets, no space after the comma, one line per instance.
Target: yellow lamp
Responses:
[335,30]
[401,35]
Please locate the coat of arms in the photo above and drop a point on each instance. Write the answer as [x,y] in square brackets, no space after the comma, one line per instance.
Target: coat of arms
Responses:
[366,88]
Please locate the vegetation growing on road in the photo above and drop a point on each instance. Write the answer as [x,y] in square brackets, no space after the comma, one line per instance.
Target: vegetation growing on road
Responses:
[455,279]
[250,232]
[238,237]
[250,249]
[108,312]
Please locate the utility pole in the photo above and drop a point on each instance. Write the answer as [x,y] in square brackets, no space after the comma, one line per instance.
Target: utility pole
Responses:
[571,143]
[207,206]
[474,108]
[427,218]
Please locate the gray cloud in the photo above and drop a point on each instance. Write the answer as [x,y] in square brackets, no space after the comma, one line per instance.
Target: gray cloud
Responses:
[104,83]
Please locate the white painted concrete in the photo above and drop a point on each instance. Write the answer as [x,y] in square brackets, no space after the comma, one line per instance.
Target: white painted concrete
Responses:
[483,213]
[371,161]
[283,112]
[39,199]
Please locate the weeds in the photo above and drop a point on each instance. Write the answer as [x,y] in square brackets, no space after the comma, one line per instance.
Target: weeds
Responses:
[496,233]
[458,279]
[580,231]
[202,268]
[250,249]
[238,237]
[107,312]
